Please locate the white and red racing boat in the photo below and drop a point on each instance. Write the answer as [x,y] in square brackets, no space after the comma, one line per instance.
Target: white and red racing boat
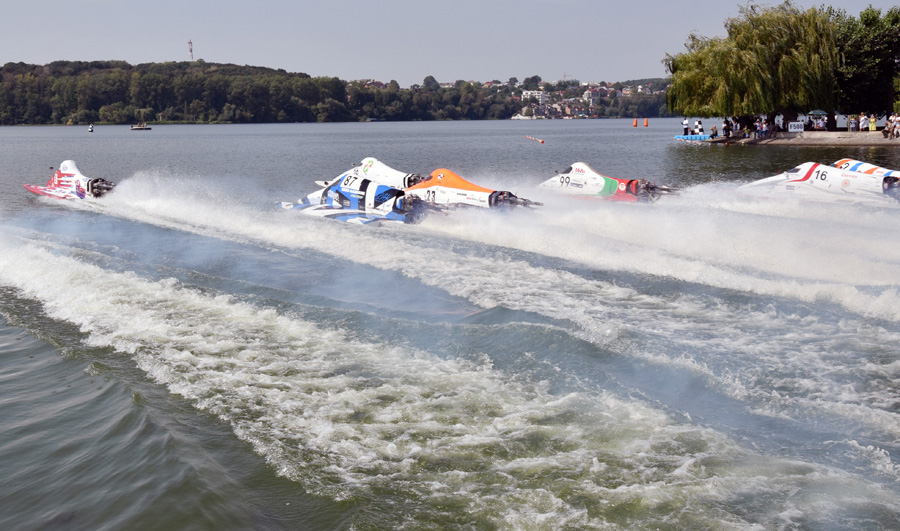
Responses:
[69,183]
[582,181]
[847,181]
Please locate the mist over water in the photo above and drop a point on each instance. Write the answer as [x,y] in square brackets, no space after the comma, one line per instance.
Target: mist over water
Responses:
[707,361]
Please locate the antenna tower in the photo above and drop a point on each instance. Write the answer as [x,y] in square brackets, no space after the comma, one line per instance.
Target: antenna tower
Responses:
[191,49]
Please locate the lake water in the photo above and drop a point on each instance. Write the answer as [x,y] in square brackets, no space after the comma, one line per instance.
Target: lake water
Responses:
[183,355]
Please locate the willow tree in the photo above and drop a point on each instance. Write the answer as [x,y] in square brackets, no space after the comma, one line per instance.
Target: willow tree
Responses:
[779,60]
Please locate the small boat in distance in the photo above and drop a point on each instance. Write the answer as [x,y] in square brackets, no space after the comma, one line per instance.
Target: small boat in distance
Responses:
[140,126]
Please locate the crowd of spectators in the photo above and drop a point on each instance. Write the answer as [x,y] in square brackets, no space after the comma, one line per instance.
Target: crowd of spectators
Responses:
[862,122]
[760,128]
[763,128]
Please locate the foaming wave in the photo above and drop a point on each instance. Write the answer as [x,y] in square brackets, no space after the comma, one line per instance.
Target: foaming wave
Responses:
[838,260]
[346,418]
[690,240]
[742,351]
[834,259]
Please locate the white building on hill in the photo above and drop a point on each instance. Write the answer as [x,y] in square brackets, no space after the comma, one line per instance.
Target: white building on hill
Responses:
[540,96]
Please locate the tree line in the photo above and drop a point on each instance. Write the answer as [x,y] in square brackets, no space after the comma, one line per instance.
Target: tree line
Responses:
[788,61]
[115,92]
[78,92]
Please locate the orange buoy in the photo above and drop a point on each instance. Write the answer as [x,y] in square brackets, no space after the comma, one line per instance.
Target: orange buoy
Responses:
[646,122]
[542,141]
[635,122]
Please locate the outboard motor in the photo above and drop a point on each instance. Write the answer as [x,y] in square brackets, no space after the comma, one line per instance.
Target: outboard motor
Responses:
[504,198]
[500,198]
[647,191]
[891,187]
[414,209]
[99,187]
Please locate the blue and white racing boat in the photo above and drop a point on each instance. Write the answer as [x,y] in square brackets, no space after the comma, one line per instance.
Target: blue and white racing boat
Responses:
[356,199]
[375,192]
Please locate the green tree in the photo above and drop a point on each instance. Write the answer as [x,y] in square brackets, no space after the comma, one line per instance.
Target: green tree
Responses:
[215,91]
[116,113]
[7,105]
[897,94]
[63,98]
[431,84]
[111,87]
[87,94]
[251,96]
[30,98]
[332,87]
[869,47]
[532,83]
[331,110]
[307,90]
[279,105]
[775,60]
[152,90]
[188,87]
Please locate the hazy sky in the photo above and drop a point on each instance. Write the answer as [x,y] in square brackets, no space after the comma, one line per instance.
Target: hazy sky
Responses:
[403,40]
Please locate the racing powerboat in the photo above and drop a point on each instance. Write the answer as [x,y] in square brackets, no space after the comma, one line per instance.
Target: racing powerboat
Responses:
[356,199]
[581,180]
[69,183]
[373,191]
[442,187]
[375,170]
[379,172]
[445,188]
[839,183]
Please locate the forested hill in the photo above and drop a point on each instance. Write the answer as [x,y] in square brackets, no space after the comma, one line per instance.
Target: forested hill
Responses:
[82,92]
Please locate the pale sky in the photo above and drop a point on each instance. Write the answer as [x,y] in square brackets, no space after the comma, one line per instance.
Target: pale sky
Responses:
[402,40]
